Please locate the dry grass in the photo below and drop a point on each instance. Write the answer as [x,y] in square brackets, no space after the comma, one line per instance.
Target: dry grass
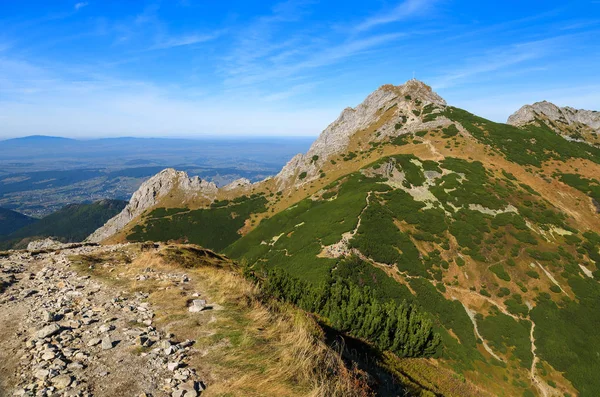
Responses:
[249,347]
[427,378]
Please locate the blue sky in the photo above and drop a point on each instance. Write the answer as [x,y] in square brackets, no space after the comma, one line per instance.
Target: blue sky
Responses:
[191,67]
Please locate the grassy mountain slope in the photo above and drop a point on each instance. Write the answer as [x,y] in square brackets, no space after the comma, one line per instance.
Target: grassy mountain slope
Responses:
[491,229]
[70,224]
[11,221]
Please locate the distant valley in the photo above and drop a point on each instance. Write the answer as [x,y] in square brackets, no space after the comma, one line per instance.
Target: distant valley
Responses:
[40,175]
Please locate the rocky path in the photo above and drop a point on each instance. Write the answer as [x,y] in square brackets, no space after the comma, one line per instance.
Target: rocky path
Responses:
[64,334]
[487,348]
[536,380]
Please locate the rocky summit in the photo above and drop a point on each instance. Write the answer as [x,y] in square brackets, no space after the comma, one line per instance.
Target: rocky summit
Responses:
[148,195]
[574,124]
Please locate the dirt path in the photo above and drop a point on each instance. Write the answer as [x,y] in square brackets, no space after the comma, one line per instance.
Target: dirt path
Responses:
[489,300]
[471,315]
[67,334]
[551,277]
[538,382]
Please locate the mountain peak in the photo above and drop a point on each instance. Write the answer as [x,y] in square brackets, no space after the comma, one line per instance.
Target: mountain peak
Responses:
[415,89]
[385,106]
[573,124]
[548,111]
[150,193]
[336,136]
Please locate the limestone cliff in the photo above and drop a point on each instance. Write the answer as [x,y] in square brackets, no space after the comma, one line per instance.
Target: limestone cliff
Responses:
[150,193]
[405,99]
[573,124]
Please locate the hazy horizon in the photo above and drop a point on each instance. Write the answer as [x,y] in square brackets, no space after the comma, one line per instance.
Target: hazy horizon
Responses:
[173,137]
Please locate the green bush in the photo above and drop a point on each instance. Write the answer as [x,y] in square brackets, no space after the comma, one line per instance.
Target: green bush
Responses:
[500,272]
[214,228]
[450,131]
[567,335]
[530,145]
[355,310]
[503,333]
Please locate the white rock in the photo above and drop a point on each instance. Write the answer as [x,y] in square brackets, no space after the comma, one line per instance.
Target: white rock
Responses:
[48,331]
[62,381]
[197,305]
[242,183]
[41,374]
[105,328]
[528,113]
[149,194]
[107,343]
[47,243]
[169,350]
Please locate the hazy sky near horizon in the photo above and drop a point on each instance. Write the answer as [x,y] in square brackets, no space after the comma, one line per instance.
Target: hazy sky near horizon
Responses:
[197,67]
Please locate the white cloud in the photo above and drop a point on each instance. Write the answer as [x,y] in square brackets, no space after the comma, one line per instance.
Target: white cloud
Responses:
[102,106]
[271,54]
[495,60]
[185,40]
[404,10]
[80,5]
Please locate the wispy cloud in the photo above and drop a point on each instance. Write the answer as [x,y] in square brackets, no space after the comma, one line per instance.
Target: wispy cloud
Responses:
[185,40]
[267,53]
[403,11]
[289,69]
[317,57]
[495,60]
[293,91]
[80,5]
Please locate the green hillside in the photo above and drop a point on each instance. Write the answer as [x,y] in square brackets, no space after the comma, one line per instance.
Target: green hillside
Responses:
[472,215]
[11,221]
[70,224]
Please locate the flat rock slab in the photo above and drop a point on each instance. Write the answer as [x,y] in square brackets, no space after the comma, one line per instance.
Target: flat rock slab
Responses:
[48,331]
[197,305]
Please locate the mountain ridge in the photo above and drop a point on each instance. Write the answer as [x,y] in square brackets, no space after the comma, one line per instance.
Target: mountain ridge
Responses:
[573,124]
[11,221]
[71,223]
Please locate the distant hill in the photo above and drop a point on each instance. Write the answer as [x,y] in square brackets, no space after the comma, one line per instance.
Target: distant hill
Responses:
[38,138]
[70,224]
[11,221]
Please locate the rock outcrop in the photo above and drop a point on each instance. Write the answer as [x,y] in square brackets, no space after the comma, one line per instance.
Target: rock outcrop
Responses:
[47,243]
[335,138]
[241,183]
[149,194]
[555,116]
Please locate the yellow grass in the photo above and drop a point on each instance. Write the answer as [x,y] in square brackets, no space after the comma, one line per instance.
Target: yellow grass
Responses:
[249,348]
